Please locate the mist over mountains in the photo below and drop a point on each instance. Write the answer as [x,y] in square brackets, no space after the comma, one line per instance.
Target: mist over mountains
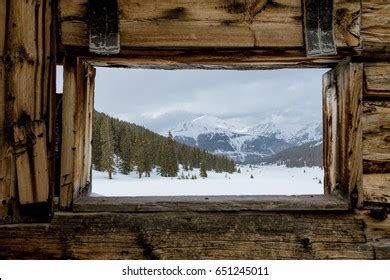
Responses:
[269,141]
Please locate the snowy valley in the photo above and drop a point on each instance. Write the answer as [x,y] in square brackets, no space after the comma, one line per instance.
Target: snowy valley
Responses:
[210,143]
[267,180]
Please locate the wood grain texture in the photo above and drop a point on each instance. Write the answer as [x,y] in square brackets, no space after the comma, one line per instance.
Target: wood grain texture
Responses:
[40,161]
[3,22]
[377,232]
[210,59]
[349,80]
[28,54]
[178,23]
[375,32]
[376,134]
[79,119]
[31,162]
[76,130]
[376,188]
[342,101]
[377,79]
[24,168]
[90,89]
[68,128]
[211,203]
[189,235]
[330,129]
[3,144]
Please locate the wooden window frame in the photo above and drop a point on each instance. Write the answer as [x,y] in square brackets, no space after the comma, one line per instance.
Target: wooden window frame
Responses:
[342,104]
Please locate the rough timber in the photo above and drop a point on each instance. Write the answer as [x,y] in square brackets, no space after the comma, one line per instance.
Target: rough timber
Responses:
[228,34]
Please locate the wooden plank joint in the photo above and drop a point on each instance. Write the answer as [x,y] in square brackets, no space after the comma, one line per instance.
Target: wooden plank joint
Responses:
[103,27]
[318,28]
[31,162]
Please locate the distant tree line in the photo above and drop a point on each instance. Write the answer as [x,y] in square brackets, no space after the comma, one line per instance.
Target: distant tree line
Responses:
[309,154]
[127,147]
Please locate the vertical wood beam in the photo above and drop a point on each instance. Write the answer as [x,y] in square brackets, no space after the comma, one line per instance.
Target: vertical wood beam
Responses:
[77,108]
[343,135]
[330,129]
[68,129]
[90,88]
[349,79]
[4,189]
[26,97]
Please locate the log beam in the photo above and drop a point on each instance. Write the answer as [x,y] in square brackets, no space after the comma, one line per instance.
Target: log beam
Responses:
[189,235]
[209,24]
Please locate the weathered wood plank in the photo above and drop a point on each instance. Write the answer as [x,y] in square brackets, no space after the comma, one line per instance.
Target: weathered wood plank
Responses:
[31,162]
[376,188]
[28,55]
[343,94]
[375,32]
[377,231]
[376,136]
[3,144]
[349,80]
[3,22]
[330,129]
[79,128]
[211,203]
[90,89]
[189,235]
[40,162]
[76,130]
[24,168]
[377,79]
[212,59]
[22,55]
[195,231]
[41,244]
[374,166]
[68,127]
[177,23]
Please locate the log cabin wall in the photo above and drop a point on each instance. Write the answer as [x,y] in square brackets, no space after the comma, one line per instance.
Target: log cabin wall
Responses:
[27,84]
[181,34]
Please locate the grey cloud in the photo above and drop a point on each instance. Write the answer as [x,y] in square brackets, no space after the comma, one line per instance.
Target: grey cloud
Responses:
[159,99]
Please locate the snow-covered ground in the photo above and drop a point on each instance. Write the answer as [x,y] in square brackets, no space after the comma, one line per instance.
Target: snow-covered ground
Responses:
[267,180]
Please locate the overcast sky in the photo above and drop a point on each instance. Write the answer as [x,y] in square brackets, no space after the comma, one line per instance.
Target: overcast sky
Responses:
[160,99]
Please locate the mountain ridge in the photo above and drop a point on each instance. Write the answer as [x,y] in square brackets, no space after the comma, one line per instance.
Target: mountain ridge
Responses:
[244,143]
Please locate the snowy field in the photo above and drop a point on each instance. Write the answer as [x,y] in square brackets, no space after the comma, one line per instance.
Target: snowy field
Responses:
[267,180]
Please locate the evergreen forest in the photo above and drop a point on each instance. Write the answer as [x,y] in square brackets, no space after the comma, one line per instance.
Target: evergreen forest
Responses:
[120,146]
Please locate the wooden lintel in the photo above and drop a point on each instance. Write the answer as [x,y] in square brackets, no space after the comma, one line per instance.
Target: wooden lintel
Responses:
[103,27]
[318,28]
[264,203]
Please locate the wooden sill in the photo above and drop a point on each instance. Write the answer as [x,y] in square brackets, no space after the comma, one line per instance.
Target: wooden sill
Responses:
[211,203]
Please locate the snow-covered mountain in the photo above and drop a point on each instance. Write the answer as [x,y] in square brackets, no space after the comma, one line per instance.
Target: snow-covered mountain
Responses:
[294,133]
[243,143]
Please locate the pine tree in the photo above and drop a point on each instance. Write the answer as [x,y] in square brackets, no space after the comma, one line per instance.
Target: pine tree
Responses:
[107,148]
[125,152]
[169,166]
[96,145]
[203,169]
[252,176]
